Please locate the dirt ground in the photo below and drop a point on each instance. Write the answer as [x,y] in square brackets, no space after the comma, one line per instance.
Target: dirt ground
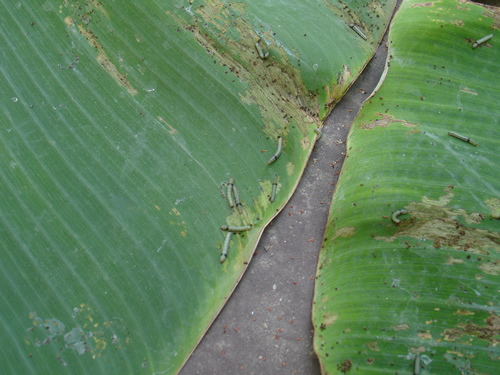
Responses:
[265,328]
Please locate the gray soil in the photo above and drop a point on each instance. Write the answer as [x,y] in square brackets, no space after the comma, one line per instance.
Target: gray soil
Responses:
[265,327]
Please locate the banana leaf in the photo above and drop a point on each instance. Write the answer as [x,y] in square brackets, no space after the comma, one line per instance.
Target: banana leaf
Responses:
[121,125]
[408,275]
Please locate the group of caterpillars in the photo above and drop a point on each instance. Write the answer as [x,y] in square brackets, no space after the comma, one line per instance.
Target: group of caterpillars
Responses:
[233,189]
[394,218]
[233,199]
[452,134]
[278,152]
[233,192]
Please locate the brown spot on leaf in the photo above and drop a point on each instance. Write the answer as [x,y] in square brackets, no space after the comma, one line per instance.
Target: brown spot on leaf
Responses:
[433,220]
[172,129]
[69,21]
[334,94]
[494,205]
[428,4]
[420,349]
[345,232]
[401,327]
[463,312]
[451,261]
[492,12]
[386,120]
[490,268]
[372,346]
[488,332]
[344,366]
[467,90]
[275,85]
[103,59]
[329,319]
[425,335]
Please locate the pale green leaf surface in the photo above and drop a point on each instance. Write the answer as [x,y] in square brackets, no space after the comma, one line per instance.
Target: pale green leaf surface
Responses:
[119,121]
[386,293]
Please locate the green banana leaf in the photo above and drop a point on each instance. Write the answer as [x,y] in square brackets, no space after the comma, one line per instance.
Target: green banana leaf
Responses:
[120,122]
[408,275]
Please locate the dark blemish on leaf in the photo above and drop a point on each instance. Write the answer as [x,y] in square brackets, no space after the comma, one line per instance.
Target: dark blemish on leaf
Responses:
[345,366]
[102,58]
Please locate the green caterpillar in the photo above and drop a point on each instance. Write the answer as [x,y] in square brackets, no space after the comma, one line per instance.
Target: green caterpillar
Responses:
[462,138]
[358,30]
[275,185]
[278,152]
[482,40]
[318,132]
[229,228]
[259,50]
[229,192]
[396,214]
[225,248]
[237,199]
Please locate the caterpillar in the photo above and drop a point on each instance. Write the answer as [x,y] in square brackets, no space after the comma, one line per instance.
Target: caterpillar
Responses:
[237,199]
[416,369]
[275,185]
[278,152]
[318,132]
[229,192]
[357,30]
[396,214]
[259,50]
[229,228]
[482,40]
[462,138]
[225,247]
[221,188]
